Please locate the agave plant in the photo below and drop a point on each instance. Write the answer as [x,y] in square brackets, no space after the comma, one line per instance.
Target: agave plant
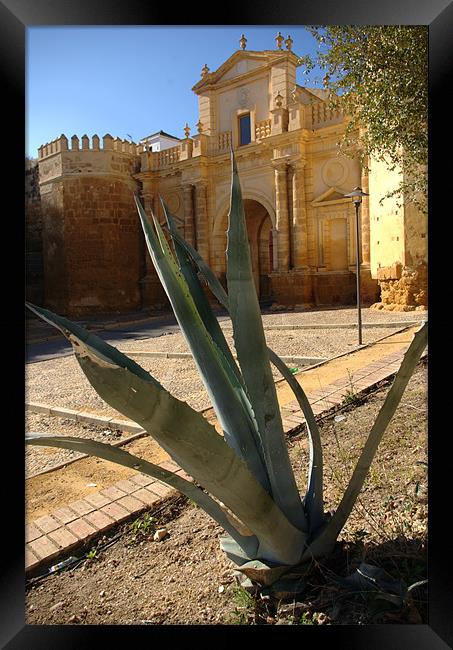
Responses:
[243,479]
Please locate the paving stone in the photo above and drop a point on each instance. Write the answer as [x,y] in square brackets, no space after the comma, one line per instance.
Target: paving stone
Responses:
[81,528]
[97,499]
[115,511]
[82,507]
[43,547]
[160,489]
[32,532]
[100,520]
[30,558]
[130,503]
[146,496]
[184,475]
[170,465]
[47,523]
[127,486]
[63,537]
[64,514]
[142,479]
[113,493]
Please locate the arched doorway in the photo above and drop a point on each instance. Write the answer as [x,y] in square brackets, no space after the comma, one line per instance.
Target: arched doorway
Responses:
[260,236]
[259,228]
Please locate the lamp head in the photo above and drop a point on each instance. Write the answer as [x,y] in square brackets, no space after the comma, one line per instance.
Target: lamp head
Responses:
[356,195]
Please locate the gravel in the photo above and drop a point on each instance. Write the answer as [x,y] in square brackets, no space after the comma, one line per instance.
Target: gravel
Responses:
[61,383]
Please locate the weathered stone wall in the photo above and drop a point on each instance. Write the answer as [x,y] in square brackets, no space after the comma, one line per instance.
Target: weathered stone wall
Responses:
[398,244]
[92,239]
[33,235]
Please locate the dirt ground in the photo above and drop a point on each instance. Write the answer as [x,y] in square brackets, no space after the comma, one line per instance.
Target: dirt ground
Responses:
[127,578]
[48,491]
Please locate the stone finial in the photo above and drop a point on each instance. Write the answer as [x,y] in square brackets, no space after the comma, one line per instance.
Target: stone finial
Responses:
[279,40]
[200,126]
[85,142]
[242,42]
[289,43]
[278,100]
[187,130]
[204,70]
[95,141]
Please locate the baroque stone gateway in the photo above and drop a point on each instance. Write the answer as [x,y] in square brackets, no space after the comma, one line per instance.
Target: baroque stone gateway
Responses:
[85,249]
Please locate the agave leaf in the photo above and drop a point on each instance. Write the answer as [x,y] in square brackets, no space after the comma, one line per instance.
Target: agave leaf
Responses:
[313,501]
[213,282]
[253,359]
[187,437]
[124,458]
[199,297]
[324,543]
[221,383]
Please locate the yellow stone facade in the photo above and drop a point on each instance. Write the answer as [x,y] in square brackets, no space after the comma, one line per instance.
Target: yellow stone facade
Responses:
[285,138]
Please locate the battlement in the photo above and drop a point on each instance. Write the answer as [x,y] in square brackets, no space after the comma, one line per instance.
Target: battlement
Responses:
[62,144]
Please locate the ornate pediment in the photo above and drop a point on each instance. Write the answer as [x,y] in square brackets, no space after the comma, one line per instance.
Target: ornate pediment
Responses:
[329,197]
[241,63]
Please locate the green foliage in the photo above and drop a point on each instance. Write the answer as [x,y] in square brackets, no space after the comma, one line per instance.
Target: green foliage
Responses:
[378,75]
[243,479]
[244,606]
[143,525]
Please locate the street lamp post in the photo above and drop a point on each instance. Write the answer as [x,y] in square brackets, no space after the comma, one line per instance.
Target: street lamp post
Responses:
[356,196]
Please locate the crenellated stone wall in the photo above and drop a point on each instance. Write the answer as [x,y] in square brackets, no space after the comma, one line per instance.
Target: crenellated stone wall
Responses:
[92,238]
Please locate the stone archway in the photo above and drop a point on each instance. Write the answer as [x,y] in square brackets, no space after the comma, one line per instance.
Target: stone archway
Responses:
[260,235]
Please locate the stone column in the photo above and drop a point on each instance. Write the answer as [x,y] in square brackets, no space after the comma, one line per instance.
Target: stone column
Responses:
[201,220]
[281,200]
[299,215]
[189,221]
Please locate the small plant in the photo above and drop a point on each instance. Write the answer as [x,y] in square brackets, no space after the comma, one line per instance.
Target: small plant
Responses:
[142,525]
[242,479]
[245,606]
[306,619]
[351,397]
[92,553]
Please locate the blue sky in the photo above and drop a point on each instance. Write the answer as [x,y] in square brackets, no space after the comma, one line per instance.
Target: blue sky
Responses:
[130,81]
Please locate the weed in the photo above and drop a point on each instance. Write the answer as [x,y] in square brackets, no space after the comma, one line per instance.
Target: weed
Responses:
[305,619]
[142,525]
[92,554]
[245,606]
[351,397]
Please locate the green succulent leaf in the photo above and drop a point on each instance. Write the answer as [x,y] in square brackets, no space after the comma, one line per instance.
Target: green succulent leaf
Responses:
[253,359]
[124,458]
[313,500]
[223,386]
[188,438]
[198,294]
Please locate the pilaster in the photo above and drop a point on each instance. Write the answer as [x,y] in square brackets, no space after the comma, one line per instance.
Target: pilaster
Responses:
[281,200]
[189,220]
[201,219]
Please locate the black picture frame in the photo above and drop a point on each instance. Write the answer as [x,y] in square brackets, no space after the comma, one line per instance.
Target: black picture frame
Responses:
[15,17]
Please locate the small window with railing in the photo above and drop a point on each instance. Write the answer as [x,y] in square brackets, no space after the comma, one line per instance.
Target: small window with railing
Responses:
[245,129]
